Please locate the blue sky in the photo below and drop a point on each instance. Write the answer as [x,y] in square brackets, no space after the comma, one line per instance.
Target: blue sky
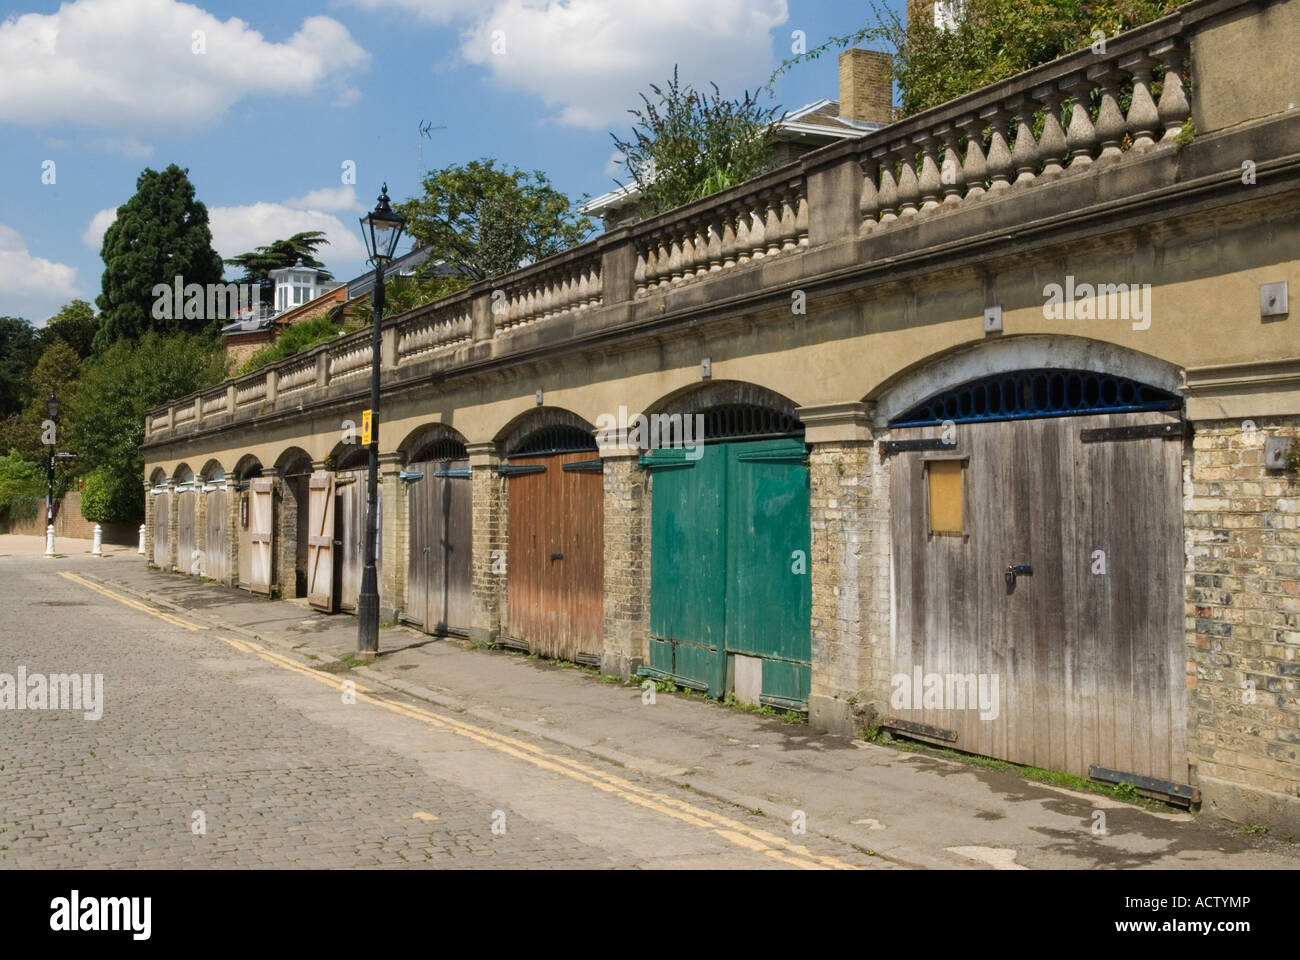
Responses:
[284,93]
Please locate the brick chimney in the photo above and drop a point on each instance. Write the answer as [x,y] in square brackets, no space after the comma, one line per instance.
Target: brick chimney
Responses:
[866,87]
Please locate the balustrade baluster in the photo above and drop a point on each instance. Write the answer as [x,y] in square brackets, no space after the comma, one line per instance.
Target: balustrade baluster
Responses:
[1110,119]
[1080,138]
[1051,144]
[1143,118]
[1173,108]
[974,168]
[928,184]
[1024,156]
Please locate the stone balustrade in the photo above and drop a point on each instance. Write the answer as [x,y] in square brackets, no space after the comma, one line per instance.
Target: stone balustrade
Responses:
[424,332]
[769,222]
[295,377]
[575,285]
[349,358]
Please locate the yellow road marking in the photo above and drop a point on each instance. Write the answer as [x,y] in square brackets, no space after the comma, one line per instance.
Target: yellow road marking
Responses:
[739,834]
[143,608]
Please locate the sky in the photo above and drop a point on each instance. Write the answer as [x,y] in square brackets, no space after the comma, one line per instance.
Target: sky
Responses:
[271,105]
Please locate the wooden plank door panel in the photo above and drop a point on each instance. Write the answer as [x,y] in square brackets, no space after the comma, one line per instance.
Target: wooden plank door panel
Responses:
[321,536]
[260,522]
[160,520]
[186,511]
[216,543]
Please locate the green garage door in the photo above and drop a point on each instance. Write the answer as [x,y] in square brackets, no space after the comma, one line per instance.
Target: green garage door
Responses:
[729,567]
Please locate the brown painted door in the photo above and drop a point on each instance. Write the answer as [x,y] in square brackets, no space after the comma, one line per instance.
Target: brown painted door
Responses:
[438,571]
[260,517]
[160,519]
[186,513]
[321,582]
[1085,651]
[555,563]
[351,506]
[214,546]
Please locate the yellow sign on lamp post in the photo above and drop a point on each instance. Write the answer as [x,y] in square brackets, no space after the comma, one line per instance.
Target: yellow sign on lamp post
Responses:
[366,421]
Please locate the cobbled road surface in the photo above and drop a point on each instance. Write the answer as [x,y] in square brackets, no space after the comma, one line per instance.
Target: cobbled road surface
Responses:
[264,753]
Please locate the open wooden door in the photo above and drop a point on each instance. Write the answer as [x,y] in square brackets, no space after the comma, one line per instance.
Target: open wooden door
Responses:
[322,592]
[260,513]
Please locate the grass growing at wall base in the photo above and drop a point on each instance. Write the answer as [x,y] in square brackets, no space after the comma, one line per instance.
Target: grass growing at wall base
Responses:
[1125,791]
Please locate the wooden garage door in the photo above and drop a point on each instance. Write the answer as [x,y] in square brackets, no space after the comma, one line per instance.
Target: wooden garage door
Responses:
[187,502]
[215,544]
[555,561]
[322,543]
[351,505]
[160,518]
[438,572]
[1087,648]
[261,510]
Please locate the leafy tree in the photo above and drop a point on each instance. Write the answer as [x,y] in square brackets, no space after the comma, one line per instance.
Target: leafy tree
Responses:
[993,40]
[296,338]
[20,348]
[488,219]
[76,325]
[161,232]
[106,496]
[258,263]
[686,144]
[116,389]
[56,372]
[22,484]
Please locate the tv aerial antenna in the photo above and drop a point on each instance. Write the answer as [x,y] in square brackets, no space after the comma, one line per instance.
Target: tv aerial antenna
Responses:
[425,130]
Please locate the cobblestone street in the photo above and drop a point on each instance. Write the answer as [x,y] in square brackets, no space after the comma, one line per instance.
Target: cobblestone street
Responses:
[286,774]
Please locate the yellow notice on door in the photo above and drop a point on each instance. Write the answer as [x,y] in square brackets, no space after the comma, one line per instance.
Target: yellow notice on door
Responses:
[366,421]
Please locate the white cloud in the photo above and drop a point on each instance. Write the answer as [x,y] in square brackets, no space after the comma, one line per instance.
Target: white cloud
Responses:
[236,230]
[31,287]
[131,66]
[128,147]
[589,59]
[100,222]
[328,198]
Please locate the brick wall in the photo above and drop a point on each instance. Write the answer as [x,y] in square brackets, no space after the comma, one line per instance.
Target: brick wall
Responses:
[627,565]
[489,505]
[1243,621]
[69,523]
[849,509]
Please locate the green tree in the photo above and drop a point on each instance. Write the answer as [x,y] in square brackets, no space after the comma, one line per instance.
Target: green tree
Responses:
[20,348]
[258,263]
[55,372]
[993,40]
[488,219]
[686,144]
[76,325]
[296,338]
[160,233]
[106,496]
[22,484]
[116,389]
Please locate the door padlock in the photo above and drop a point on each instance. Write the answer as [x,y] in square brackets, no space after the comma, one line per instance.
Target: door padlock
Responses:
[1017,569]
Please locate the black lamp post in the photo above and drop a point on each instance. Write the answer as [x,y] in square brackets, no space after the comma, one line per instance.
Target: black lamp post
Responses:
[381,229]
[52,411]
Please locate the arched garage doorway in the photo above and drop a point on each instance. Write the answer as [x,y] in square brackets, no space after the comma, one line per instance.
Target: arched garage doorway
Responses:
[730,590]
[1037,571]
[555,557]
[439,591]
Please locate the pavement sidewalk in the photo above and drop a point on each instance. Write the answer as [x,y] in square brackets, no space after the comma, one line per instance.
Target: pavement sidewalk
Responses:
[911,809]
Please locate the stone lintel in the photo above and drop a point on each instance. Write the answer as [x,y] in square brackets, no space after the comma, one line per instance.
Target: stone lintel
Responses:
[841,422]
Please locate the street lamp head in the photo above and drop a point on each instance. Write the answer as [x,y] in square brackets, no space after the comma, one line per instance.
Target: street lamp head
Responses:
[381,229]
[52,406]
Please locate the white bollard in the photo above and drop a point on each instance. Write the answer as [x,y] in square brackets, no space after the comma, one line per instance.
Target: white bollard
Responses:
[49,540]
[98,549]
[141,550]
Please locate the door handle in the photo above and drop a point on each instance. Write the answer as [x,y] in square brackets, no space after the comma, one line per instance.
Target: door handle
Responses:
[1017,569]
[557,556]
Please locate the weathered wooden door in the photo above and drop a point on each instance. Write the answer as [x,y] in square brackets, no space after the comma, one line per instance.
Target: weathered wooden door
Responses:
[186,516]
[729,574]
[261,509]
[160,522]
[438,567]
[1037,572]
[322,537]
[351,505]
[555,561]
[215,544]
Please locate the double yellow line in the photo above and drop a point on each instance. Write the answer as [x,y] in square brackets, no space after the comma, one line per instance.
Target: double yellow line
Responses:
[740,834]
